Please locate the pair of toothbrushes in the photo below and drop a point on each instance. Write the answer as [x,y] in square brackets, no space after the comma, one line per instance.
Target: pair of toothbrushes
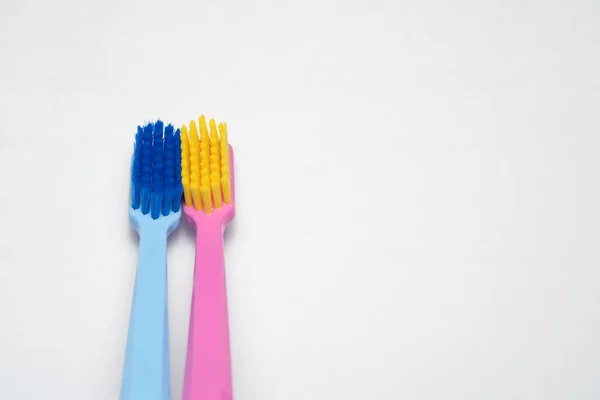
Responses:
[166,166]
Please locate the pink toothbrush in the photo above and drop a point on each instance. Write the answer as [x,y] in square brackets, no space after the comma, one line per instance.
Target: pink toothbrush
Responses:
[207,178]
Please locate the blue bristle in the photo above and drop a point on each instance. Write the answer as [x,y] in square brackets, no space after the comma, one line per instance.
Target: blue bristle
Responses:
[146,165]
[136,170]
[178,189]
[169,170]
[156,170]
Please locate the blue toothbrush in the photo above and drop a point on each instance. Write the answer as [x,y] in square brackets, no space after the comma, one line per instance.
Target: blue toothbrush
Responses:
[154,212]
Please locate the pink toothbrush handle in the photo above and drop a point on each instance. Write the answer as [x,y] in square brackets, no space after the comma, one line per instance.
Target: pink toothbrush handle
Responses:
[208,363]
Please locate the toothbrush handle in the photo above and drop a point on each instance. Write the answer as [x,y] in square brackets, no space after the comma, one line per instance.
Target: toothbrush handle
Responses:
[146,372]
[208,363]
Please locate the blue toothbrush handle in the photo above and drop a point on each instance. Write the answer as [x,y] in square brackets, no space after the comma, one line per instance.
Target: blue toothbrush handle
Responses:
[146,372]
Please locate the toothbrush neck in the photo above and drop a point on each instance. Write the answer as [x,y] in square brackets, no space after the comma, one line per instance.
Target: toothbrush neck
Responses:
[209,234]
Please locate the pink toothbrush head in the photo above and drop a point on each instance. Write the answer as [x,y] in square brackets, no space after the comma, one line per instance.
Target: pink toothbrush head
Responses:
[207,173]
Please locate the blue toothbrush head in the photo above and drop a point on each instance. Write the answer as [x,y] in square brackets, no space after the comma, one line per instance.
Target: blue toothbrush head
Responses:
[156,170]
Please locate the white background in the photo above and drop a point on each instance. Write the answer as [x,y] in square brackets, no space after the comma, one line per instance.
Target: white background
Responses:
[418,188]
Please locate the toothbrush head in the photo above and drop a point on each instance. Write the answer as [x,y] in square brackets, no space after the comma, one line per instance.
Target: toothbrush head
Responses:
[207,169]
[156,172]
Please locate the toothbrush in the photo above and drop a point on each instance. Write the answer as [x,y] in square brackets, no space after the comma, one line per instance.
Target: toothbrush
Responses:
[154,212]
[207,179]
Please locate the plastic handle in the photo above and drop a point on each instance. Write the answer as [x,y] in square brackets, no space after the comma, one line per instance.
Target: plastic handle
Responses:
[208,363]
[146,372]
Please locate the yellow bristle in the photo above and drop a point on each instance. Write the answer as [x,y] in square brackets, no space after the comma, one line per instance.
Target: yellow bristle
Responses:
[215,165]
[205,164]
[215,186]
[206,201]
[195,189]
[226,185]
[195,166]
[225,178]
[185,166]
